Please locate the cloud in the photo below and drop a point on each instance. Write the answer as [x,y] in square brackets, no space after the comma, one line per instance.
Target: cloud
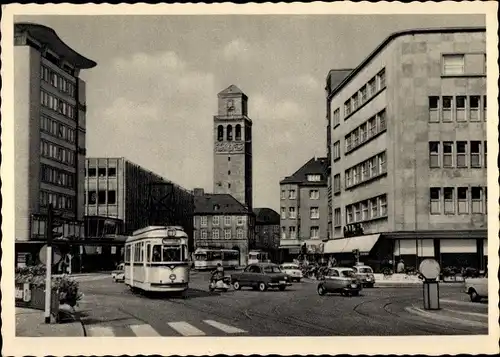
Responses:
[162,119]
[236,49]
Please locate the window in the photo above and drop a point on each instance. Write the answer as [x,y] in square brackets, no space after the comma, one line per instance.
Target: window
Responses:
[363,93]
[92,172]
[449,200]
[382,164]
[238,132]
[355,138]
[336,117]
[204,221]
[314,232]
[336,150]
[434,154]
[111,171]
[347,108]
[447,106]
[475,154]
[362,133]
[461,153]
[240,220]
[102,197]
[313,178]
[283,213]
[463,203]
[477,200]
[348,178]
[484,108]
[227,220]
[336,183]
[372,126]
[215,220]
[314,213]
[485,154]
[355,103]
[215,234]
[381,79]
[337,219]
[348,143]
[203,234]
[453,64]
[112,197]
[364,211]
[283,194]
[448,154]
[474,104]
[435,200]
[383,205]
[292,195]
[229,133]
[283,232]
[292,213]
[372,87]
[460,111]
[92,197]
[292,232]
[314,194]
[382,125]
[220,133]
[434,109]
[227,234]
[357,212]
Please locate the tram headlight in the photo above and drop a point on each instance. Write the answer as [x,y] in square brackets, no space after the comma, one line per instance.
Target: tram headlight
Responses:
[172,276]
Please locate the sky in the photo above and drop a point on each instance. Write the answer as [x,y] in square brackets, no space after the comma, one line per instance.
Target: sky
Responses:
[153,94]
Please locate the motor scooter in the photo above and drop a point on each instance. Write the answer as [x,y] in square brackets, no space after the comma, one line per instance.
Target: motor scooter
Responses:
[219,284]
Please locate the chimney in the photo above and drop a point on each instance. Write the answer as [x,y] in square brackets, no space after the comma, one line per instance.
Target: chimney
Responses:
[198,192]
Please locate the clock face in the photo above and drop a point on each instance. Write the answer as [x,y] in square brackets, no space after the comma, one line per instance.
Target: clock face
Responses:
[230,104]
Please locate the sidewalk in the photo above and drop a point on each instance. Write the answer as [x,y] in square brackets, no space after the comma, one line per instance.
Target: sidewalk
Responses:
[31,323]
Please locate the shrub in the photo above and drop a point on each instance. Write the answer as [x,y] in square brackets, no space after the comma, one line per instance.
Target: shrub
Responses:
[67,288]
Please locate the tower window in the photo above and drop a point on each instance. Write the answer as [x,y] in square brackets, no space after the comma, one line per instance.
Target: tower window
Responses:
[220,133]
[229,133]
[229,172]
[229,158]
[228,185]
[238,132]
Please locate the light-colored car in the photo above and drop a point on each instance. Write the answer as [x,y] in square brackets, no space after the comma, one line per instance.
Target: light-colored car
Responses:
[292,270]
[477,288]
[118,274]
[340,280]
[365,274]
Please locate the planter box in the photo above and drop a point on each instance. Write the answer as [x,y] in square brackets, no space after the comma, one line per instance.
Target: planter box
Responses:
[34,298]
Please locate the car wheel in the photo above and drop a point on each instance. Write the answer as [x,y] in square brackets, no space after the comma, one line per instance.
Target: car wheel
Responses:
[321,290]
[474,297]
[236,285]
[262,286]
[282,288]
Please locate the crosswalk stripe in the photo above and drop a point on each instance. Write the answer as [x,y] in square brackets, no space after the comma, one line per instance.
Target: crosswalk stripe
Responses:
[223,327]
[144,330]
[185,329]
[98,331]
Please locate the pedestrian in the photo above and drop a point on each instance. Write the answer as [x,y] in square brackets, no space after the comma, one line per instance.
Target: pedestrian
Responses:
[401,266]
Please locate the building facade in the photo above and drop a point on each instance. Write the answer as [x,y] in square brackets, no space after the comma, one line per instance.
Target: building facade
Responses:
[304,208]
[118,188]
[267,231]
[408,149]
[50,109]
[233,146]
[221,221]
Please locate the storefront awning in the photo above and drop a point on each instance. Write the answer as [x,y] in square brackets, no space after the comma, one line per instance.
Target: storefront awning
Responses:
[346,245]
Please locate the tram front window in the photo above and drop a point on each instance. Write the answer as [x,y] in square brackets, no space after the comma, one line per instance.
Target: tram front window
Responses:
[157,253]
[172,253]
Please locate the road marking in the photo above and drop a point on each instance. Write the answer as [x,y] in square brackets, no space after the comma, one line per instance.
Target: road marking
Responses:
[144,330]
[223,327]
[449,319]
[98,331]
[186,329]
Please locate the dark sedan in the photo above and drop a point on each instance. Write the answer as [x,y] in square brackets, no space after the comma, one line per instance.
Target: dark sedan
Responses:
[261,276]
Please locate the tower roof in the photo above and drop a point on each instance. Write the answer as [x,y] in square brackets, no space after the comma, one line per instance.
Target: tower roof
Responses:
[231,90]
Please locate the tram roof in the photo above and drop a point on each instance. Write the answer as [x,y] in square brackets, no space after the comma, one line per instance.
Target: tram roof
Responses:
[157,232]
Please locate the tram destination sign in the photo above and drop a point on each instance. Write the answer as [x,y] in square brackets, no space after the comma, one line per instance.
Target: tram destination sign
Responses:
[170,241]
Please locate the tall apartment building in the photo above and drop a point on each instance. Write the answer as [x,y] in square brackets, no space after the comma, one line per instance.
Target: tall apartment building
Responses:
[304,208]
[118,188]
[221,221]
[408,150]
[50,109]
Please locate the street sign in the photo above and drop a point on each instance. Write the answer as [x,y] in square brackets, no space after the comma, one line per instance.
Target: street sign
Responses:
[56,255]
[430,269]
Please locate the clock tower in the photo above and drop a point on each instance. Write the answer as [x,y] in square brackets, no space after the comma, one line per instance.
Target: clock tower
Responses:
[233,146]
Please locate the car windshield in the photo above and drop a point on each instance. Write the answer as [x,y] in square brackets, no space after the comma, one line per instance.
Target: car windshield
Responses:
[272,269]
[365,270]
[290,267]
[347,273]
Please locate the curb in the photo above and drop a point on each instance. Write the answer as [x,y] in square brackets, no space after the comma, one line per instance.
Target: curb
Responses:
[443,318]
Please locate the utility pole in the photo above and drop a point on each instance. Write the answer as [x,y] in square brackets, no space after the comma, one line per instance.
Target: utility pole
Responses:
[50,234]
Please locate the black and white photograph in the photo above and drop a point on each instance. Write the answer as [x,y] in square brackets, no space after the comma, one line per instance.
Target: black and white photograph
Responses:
[250,179]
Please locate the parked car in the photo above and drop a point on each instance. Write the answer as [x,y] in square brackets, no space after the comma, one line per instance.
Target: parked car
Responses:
[292,270]
[118,274]
[340,280]
[261,276]
[364,273]
[477,288]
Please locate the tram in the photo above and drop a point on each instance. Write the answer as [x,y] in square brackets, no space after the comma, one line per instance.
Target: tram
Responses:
[258,256]
[206,258]
[156,259]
